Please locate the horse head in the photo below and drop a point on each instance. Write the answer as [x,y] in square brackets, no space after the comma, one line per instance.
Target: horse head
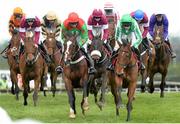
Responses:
[71,47]
[15,43]
[50,42]
[31,50]
[96,49]
[124,58]
[158,36]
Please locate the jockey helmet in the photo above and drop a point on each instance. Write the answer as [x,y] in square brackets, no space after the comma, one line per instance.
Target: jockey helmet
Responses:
[30,18]
[108,5]
[97,13]
[51,15]
[126,20]
[17,10]
[73,17]
[138,15]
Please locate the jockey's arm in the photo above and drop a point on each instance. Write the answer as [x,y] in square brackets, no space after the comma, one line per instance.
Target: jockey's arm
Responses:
[151,25]
[105,29]
[89,27]
[138,35]
[37,35]
[144,34]
[58,30]
[166,25]
[43,28]
[22,33]
[84,35]
[118,32]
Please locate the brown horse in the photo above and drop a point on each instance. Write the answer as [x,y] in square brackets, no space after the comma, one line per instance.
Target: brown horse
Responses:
[13,61]
[162,60]
[55,55]
[98,80]
[32,67]
[148,58]
[75,72]
[124,75]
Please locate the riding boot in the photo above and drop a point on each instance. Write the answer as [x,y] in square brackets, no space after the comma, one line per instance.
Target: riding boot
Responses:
[110,65]
[92,69]
[173,54]
[59,45]
[107,45]
[142,66]
[45,55]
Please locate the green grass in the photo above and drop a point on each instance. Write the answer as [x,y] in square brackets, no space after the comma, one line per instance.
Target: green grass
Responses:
[146,108]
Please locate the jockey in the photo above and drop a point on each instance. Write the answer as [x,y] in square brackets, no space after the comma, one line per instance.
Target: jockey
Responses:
[75,24]
[14,24]
[160,19]
[97,18]
[31,23]
[125,29]
[51,21]
[142,20]
[110,13]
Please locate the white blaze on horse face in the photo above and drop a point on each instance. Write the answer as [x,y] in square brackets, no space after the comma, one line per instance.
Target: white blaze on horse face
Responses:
[50,39]
[67,49]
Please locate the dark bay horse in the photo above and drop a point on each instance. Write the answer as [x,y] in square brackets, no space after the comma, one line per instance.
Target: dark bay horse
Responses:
[75,72]
[162,60]
[32,67]
[148,58]
[98,81]
[13,61]
[125,75]
[55,55]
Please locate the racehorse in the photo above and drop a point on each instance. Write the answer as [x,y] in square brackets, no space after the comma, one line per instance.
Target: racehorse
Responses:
[100,57]
[13,61]
[124,75]
[32,67]
[148,58]
[162,60]
[75,72]
[55,55]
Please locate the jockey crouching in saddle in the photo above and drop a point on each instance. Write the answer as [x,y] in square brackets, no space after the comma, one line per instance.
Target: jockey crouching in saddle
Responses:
[51,21]
[76,25]
[14,24]
[110,13]
[160,19]
[30,23]
[125,29]
[98,20]
[142,20]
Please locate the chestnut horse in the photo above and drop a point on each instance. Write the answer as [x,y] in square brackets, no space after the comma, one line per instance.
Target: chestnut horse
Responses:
[55,55]
[162,60]
[75,72]
[98,81]
[13,61]
[32,67]
[124,75]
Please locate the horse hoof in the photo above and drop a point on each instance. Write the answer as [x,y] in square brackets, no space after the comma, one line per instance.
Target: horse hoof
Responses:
[85,106]
[25,104]
[72,115]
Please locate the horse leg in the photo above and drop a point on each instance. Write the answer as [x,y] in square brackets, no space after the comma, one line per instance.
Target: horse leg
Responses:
[151,84]
[54,80]
[25,93]
[36,87]
[143,81]
[53,87]
[84,103]
[163,83]
[15,82]
[117,98]
[72,99]
[103,90]
[131,91]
